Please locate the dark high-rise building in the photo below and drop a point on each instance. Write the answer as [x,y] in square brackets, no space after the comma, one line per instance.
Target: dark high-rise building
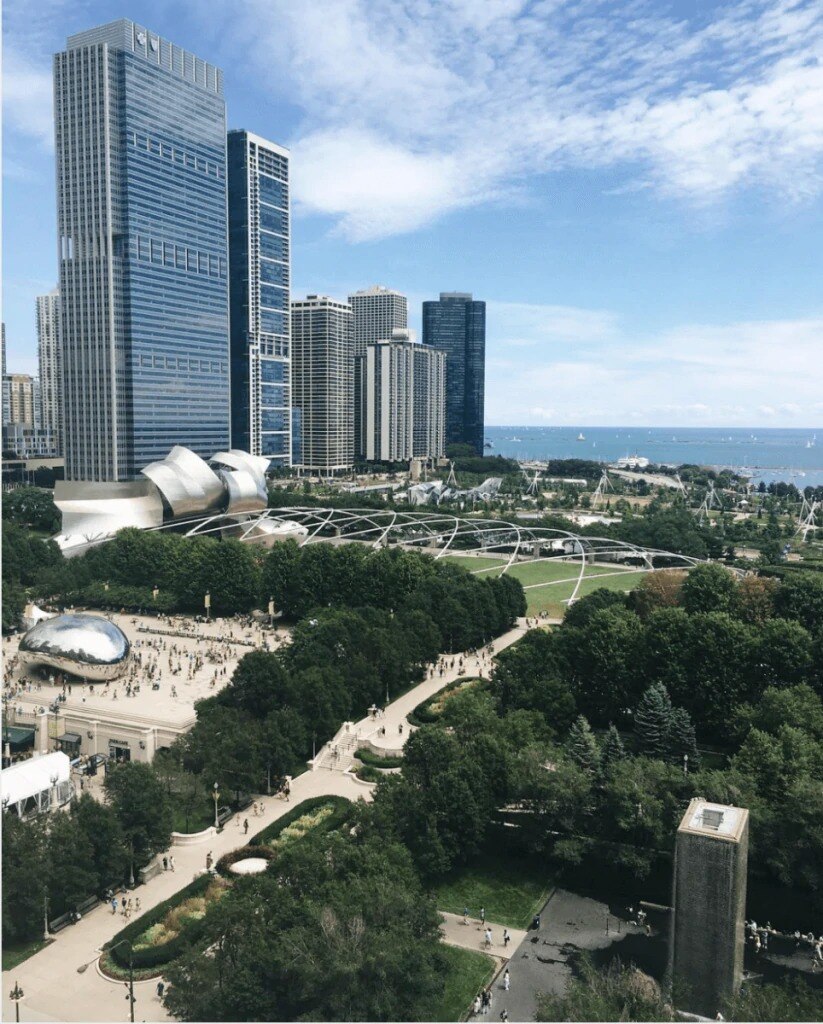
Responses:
[140,139]
[456,324]
[259,297]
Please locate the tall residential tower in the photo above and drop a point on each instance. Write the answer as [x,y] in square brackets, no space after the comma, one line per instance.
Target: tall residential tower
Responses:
[322,386]
[140,133]
[377,312]
[456,324]
[259,278]
[49,360]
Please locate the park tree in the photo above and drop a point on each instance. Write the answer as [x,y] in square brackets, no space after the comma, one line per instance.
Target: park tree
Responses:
[341,930]
[71,873]
[26,876]
[784,655]
[224,748]
[652,722]
[33,507]
[658,590]
[708,588]
[800,598]
[611,749]
[754,599]
[796,706]
[579,613]
[229,572]
[582,746]
[104,834]
[681,741]
[142,807]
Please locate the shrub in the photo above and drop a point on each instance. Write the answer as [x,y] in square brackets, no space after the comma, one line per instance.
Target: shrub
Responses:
[369,774]
[375,760]
[425,713]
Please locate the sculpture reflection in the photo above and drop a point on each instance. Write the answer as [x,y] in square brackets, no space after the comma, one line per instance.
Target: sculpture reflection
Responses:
[83,645]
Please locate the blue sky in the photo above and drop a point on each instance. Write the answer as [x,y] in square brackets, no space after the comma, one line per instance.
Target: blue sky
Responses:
[635,188]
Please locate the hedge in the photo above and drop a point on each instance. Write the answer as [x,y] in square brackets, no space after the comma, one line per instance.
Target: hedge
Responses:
[423,715]
[369,774]
[375,760]
[154,956]
[342,808]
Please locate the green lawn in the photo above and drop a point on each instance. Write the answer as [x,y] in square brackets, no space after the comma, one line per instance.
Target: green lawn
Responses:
[531,573]
[510,888]
[14,955]
[201,816]
[468,973]
[473,564]
[551,598]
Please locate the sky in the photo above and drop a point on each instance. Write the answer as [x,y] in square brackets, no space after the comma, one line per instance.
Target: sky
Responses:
[635,188]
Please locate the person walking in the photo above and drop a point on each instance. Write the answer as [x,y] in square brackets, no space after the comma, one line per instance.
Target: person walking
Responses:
[506,938]
[171,862]
[504,1015]
[137,904]
[465,915]
[165,863]
[507,981]
[114,904]
[482,915]
[488,938]
[209,861]
[246,826]
[160,989]
[486,1000]
[476,1005]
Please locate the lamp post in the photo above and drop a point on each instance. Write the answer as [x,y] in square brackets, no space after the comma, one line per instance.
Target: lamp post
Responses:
[155,592]
[16,995]
[271,612]
[207,604]
[130,996]
[685,764]
[215,797]
[46,935]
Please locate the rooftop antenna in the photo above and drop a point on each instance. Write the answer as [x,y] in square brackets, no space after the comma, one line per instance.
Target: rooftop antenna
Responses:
[603,485]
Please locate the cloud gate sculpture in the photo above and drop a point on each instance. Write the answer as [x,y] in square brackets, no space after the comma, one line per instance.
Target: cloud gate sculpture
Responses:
[83,645]
[229,491]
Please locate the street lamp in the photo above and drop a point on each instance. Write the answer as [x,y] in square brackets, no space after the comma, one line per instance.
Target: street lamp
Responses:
[685,764]
[207,604]
[215,797]
[16,995]
[130,996]
[271,612]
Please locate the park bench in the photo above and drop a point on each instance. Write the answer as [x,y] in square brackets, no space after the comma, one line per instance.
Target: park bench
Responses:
[223,815]
[88,904]
[243,803]
[61,922]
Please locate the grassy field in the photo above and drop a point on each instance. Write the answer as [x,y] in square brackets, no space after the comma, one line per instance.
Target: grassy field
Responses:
[473,564]
[14,955]
[510,889]
[532,573]
[551,598]
[468,973]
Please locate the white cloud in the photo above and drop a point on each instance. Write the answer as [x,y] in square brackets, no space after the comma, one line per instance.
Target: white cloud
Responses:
[27,96]
[733,374]
[454,102]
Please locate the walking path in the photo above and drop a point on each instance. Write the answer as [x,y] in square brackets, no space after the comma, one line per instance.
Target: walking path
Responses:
[54,991]
[456,932]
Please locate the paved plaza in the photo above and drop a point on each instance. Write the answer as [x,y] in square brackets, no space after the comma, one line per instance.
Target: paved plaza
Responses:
[54,991]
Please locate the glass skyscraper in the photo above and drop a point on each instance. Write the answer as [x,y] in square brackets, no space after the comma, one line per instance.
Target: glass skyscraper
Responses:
[140,132]
[456,324]
[259,244]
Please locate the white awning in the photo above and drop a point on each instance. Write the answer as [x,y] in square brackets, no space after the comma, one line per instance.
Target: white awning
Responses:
[28,778]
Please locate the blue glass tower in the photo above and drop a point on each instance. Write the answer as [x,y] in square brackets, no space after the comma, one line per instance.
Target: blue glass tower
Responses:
[140,132]
[456,324]
[259,243]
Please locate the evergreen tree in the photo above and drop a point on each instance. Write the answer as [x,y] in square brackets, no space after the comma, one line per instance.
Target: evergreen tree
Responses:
[612,749]
[582,746]
[652,722]
[682,739]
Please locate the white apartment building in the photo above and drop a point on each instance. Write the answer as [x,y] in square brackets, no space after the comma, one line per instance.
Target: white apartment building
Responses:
[322,384]
[404,399]
[48,356]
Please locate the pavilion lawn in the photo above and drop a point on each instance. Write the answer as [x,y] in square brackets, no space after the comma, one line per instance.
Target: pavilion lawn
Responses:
[468,973]
[510,888]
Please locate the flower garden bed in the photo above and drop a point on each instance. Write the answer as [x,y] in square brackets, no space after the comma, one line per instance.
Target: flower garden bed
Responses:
[167,930]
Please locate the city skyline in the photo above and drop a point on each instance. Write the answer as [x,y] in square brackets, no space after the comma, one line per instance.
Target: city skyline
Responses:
[656,264]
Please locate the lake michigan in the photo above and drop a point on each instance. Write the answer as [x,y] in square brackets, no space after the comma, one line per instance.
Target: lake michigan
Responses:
[793,455]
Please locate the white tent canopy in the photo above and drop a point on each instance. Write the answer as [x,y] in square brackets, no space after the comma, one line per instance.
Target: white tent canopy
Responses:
[32,778]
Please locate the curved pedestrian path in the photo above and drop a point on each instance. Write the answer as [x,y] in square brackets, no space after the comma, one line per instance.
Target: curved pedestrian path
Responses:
[54,991]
